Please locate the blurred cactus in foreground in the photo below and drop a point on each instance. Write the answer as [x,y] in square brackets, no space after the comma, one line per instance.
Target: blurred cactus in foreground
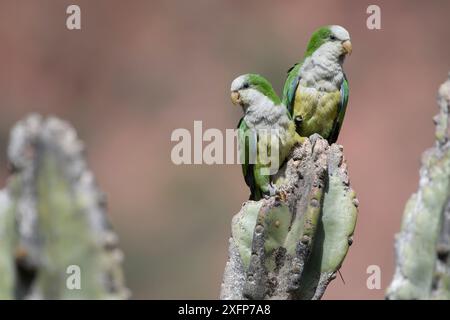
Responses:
[53,220]
[423,244]
[292,248]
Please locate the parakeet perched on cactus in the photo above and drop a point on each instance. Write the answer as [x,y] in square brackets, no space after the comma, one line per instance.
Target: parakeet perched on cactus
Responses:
[266,132]
[316,89]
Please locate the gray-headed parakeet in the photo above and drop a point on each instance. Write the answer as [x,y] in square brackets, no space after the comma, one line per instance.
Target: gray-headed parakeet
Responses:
[316,89]
[265,121]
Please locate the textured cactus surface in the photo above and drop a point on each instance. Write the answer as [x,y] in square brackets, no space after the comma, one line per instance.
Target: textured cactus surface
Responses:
[52,219]
[423,244]
[7,236]
[291,246]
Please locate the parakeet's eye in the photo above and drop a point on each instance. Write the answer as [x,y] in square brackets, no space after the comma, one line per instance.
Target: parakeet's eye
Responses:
[332,37]
[246,85]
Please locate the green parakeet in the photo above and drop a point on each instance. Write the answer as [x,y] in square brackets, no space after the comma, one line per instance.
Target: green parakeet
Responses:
[265,121]
[316,89]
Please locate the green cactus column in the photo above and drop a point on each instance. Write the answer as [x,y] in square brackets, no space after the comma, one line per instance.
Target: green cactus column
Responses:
[57,241]
[423,244]
[7,243]
[292,248]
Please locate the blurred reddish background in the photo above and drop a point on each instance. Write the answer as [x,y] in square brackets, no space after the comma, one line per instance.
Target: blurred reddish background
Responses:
[140,69]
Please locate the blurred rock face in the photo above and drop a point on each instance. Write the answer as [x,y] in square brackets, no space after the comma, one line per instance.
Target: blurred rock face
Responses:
[134,73]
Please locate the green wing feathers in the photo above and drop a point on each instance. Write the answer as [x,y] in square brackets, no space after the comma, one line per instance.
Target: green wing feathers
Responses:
[344,91]
[247,148]
[290,87]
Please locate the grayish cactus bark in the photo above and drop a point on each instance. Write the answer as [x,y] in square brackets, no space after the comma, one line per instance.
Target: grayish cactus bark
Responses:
[53,216]
[423,244]
[291,247]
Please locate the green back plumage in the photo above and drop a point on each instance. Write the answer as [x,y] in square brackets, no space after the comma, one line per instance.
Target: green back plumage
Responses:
[262,85]
[318,38]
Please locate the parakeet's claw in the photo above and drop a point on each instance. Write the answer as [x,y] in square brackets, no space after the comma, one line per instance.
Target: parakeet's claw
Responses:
[272,189]
[313,138]
[277,192]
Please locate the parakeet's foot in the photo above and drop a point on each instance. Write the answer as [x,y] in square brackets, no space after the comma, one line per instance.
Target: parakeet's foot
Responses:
[275,191]
[313,138]
[272,189]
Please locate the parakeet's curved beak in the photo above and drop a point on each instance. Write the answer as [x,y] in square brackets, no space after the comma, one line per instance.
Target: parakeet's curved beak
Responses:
[235,98]
[347,45]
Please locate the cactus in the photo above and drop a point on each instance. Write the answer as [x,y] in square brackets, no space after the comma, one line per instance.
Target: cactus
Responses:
[7,235]
[423,244]
[291,247]
[52,217]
